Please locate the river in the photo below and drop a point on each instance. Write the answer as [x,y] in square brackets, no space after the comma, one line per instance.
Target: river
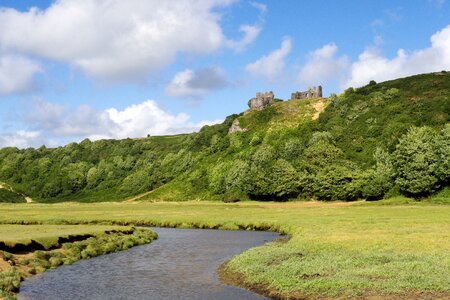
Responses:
[180,264]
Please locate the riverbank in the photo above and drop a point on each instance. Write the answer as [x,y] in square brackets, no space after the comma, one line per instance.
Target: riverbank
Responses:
[337,250]
[47,249]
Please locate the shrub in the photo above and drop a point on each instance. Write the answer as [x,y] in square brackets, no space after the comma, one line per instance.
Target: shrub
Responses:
[55,261]
[10,280]
[416,161]
[256,140]
[338,182]
[381,179]
[293,149]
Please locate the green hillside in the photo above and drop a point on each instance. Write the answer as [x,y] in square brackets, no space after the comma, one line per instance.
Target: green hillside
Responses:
[6,196]
[380,140]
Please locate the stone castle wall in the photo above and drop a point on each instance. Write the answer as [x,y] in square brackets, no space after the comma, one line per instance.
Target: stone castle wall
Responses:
[261,101]
[310,93]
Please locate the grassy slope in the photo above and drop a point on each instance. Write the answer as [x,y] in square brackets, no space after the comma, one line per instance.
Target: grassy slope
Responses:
[281,119]
[370,117]
[374,116]
[347,249]
[7,196]
[360,121]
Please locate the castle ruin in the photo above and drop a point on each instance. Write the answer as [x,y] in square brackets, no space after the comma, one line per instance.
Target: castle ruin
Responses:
[310,93]
[261,101]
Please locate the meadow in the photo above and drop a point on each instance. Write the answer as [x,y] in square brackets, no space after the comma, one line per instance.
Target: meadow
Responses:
[49,236]
[336,249]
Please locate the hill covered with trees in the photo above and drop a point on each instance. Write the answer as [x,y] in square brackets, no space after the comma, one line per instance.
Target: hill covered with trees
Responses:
[380,140]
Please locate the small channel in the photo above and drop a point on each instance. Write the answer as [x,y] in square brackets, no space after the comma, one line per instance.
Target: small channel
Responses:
[181,264]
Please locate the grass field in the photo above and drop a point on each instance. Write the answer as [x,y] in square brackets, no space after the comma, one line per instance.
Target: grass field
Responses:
[336,249]
[48,235]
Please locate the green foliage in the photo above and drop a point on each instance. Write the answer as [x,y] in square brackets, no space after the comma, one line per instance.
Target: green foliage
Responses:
[284,179]
[338,182]
[7,196]
[417,160]
[283,153]
[321,154]
[293,148]
[9,282]
[381,179]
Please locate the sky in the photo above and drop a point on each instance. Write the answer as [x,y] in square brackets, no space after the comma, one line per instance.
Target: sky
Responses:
[76,69]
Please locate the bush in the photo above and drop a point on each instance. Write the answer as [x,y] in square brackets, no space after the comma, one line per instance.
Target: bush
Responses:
[381,179]
[337,182]
[10,280]
[256,140]
[416,161]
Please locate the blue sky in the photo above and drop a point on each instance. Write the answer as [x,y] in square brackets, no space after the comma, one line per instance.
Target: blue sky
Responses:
[73,69]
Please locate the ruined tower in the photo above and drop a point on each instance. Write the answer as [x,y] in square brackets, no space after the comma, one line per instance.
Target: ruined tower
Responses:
[310,93]
[261,101]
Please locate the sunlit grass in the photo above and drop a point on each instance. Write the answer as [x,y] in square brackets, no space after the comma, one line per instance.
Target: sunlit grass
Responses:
[335,249]
[47,235]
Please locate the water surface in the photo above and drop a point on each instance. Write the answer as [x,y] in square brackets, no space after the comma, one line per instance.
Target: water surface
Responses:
[181,264]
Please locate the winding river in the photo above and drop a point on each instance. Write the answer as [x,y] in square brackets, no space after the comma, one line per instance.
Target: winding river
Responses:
[181,264]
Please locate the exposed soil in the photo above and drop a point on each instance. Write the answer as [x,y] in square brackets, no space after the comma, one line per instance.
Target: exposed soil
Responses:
[140,196]
[319,106]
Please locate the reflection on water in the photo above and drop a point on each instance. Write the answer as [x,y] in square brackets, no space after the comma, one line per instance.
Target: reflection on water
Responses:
[181,264]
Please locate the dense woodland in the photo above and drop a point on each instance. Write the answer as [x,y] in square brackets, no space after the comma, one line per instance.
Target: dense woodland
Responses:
[377,141]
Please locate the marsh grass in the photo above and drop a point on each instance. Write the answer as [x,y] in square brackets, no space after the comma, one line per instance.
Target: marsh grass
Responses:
[336,249]
[48,236]
[103,240]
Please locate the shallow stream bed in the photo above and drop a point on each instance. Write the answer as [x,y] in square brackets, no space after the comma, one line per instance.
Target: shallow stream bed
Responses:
[181,264]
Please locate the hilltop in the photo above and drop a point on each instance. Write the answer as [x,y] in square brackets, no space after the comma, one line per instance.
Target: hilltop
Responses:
[380,140]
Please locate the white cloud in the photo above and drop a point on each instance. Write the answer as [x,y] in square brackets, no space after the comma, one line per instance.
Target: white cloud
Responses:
[53,124]
[271,65]
[62,123]
[251,32]
[260,6]
[371,65]
[147,118]
[195,84]
[16,74]
[323,66]
[22,139]
[114,39]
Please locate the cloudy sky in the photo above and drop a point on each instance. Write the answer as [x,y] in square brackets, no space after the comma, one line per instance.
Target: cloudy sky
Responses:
[72,69]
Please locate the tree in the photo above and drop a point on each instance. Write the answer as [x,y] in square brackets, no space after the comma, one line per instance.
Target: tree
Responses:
[284,179]
[321,154]
[238,177]
[443,150]
[381,179]
[416,161]
[93,177]
[217,178]
[338,182]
